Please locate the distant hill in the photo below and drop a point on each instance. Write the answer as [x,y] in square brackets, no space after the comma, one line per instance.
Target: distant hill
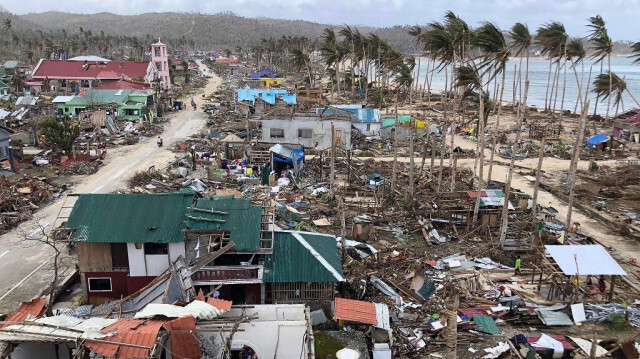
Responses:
[224,30]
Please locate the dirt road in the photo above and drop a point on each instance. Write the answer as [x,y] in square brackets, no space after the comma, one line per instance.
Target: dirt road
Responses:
[25,266]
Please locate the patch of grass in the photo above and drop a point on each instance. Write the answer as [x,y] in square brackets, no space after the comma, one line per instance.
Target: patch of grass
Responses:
[326,346]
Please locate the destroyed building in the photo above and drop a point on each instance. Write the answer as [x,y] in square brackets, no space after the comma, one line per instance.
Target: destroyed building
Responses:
[125,241]
[308,130]
[365,120]
[127,104]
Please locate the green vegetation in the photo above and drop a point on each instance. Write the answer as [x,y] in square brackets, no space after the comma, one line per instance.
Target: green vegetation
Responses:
[61,133]
[326,346]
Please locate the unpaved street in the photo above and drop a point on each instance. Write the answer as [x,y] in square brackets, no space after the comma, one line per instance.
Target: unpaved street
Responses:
[25,266]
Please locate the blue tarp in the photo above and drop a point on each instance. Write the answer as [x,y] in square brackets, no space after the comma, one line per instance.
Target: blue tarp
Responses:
[267,95]
[597,139]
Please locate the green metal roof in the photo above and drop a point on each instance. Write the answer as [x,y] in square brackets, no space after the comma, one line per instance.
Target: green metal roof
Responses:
[303,257]
[241,219]
[130,218]
[392,121]
[2,84]
[486,324]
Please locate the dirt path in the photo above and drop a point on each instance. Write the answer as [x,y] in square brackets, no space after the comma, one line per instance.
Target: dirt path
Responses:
[25,266]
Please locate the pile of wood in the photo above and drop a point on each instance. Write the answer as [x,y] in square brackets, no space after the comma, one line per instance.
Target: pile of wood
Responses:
[19,199]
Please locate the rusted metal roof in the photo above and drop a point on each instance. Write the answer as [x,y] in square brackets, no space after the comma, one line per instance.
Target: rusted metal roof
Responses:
[355,311]
[35,308]
[141,333]
[184,342]
[221,304]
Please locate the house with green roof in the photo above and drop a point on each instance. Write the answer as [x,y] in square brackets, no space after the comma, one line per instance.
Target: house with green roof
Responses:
[124,241]
[4,88]
[129,105]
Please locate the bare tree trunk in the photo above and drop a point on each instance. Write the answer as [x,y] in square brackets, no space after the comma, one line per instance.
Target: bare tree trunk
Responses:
[546,96]
[395,146]
[574,163]
[564,89]
[453,171]
[433,155]
[411,151]
[536,185]
[476,207]
[595,107]
[333,156]
[494,137]
[451,330]
[610,84]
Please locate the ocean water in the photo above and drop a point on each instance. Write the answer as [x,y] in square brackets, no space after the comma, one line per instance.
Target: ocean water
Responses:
[538,74]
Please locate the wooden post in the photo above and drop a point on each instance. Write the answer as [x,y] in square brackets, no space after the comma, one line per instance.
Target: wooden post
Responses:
[348,168]
[433,155]
[395,147]
[453,171]
[534,208]
[613,284]
[333,156]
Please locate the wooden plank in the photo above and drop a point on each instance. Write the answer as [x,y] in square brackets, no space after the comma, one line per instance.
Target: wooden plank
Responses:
[94,257]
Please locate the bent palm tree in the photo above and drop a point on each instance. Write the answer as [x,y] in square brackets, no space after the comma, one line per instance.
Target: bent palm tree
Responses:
[635,52]
[491,41]
[611,85]
[602,45]
[521,40]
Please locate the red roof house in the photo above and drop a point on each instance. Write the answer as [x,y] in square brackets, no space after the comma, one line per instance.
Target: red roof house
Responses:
[92,70]
[123,85]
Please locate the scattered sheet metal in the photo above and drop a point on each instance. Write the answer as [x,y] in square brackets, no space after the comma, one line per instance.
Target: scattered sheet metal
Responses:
[553,318]
[359,247]
[486,324]
[386,289]
[603,312]
[577,312]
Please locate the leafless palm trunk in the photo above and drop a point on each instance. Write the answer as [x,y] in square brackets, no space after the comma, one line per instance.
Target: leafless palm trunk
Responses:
[546,96]
[476,207]
[610,84]
[494,137]
[395,146]
[574,163]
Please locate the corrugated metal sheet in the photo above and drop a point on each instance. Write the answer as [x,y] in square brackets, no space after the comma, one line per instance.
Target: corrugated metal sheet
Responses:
[129,331]
[303,257]
[580,259]
[552,318]
[56,329]
[486,324]
[355,311]
[184,345]
[130,218]
[242,219]
[35,308]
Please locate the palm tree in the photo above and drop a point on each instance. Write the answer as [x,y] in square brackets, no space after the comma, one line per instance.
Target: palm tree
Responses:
[7,24]
[611,85]
[349,41]
[496,53]
[602,45]
[470,78]
[521,41]
[300,61]
[576,53]
[552,39]
[416,32]
[635,50]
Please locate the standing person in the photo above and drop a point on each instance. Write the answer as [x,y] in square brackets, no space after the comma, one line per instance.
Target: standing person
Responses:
[602,286]
[518,264]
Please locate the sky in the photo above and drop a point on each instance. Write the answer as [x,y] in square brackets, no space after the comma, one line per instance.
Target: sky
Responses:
[621,16]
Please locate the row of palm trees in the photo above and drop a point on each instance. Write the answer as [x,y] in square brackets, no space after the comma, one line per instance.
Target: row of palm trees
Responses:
[32,45]
[472,59]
